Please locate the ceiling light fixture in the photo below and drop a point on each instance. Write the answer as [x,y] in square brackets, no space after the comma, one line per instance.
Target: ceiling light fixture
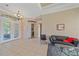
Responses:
[18,15]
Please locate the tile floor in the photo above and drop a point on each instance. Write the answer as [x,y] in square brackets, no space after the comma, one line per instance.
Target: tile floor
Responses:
[20,47]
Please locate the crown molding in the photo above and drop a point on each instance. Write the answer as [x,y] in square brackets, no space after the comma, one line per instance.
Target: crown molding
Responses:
[58,7]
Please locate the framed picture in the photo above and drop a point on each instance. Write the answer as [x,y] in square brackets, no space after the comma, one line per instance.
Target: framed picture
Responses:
[60,27]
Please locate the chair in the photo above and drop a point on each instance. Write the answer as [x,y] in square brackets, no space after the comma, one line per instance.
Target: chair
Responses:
[43,37]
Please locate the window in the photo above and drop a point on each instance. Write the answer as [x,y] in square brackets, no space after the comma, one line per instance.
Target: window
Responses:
[9,29]
[6,28]
[16,30]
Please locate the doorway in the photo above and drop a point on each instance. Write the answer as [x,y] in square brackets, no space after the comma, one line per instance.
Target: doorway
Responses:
[35,29]
[32,31]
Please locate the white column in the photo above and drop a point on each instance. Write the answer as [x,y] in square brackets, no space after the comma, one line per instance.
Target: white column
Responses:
[38,31]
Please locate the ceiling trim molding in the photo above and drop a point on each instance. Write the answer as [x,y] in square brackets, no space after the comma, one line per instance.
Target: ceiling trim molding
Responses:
[58,7]
[50,5]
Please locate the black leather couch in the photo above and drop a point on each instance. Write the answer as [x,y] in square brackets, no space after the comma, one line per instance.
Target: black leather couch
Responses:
[54,39]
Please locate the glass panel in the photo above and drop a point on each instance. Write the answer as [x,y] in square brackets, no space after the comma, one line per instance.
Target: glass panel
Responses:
[16,30]
[0,36]
[6,29]
[0,32]
[0,28]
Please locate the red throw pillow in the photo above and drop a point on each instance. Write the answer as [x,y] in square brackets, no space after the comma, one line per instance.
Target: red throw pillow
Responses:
[69,40]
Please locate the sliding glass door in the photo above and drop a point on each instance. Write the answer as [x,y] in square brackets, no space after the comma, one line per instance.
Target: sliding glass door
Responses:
[6,28]
[9,29]
[16,32]
[0,31]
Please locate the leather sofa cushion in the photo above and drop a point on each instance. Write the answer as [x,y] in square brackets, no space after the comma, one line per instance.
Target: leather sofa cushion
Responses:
[61,37]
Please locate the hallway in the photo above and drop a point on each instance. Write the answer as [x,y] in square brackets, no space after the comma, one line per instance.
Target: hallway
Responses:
[31,47]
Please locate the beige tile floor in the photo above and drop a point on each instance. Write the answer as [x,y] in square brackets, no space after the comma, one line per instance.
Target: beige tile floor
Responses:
[20,47]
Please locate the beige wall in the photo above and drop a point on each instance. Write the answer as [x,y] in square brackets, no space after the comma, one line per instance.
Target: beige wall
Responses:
[69,17]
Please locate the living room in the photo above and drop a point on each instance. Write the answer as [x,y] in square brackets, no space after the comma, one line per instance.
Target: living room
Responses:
[28,27]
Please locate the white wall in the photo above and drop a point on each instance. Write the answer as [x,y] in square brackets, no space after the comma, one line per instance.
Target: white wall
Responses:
[69,17]
[28,31]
